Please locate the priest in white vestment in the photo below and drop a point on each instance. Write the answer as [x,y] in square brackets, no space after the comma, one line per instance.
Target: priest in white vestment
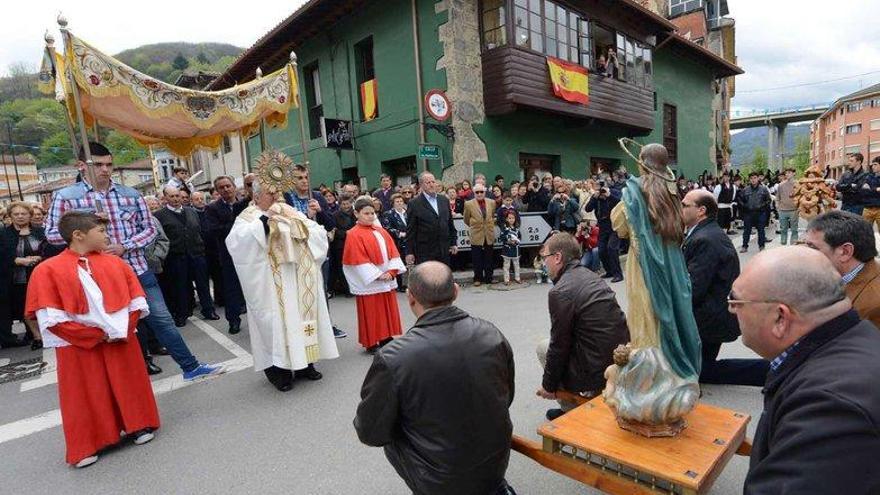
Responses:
[277,252]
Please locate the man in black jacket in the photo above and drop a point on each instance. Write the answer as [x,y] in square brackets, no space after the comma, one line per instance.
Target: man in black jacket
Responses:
[609,242]
[713,265]
[443,421]
[851,184]
[185,262]
[219,217]
[754,207]
[818,432]
[430,233]
[586,325]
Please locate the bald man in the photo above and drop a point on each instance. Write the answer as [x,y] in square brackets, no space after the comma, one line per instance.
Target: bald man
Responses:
[819,429]
[713,265]
[444,422]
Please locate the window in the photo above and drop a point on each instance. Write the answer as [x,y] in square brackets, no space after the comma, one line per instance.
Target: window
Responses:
[852,149]
[874,147]
[314,102]
[853,107]
[875,125]
[875,103]
[365,68]
[678,7]
[854,129]
[551,29]
[227,145]
[832,154]
[585,42]
[635,61]
[494,32]
[670,131]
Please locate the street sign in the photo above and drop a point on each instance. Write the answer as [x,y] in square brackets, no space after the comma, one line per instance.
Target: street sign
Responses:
[429,152]
[437,105]
[534,229]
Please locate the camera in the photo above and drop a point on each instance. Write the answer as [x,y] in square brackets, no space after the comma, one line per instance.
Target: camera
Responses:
[601,183]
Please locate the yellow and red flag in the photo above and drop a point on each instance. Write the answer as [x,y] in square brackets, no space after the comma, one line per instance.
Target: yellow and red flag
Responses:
[570,81]
[369,100]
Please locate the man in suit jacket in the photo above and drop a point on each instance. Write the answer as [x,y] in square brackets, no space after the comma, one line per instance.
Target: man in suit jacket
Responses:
[848,241]
[479,215]
[430,234]
[219,217]
[713,265]
[818,431]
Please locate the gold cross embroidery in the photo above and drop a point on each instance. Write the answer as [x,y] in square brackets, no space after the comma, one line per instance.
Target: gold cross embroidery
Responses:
[309,330]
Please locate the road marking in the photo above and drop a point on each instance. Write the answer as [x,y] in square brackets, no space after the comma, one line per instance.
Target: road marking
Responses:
[49,376]
[35,424]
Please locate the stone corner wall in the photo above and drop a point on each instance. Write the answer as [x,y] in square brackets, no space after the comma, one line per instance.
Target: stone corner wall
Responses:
[460,37]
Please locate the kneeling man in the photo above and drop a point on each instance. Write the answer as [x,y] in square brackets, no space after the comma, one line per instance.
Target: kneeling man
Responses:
[437,398]
[278,253]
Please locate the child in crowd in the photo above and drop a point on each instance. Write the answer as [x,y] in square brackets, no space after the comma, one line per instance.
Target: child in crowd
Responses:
[505,208]
[87,305]
[510,239]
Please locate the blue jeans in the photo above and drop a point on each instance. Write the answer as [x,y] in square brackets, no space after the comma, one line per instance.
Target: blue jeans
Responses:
[590,259]
[857,209]
[162,324]
[788,220]
[757,219]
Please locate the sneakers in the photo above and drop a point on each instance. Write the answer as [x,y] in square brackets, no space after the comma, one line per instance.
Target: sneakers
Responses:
[203,370]
[143,436]
[339,334]
[88,461]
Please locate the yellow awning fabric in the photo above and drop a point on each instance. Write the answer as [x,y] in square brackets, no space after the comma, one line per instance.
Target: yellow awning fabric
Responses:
[179,119]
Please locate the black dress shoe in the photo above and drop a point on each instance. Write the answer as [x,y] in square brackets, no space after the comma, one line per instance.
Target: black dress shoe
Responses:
[36,345]
[152,369]
[234,328]
[309,373]
[607,275]
[616,279]
[15,343]
[554,413]
[212,317]
[280,378]
[180,322]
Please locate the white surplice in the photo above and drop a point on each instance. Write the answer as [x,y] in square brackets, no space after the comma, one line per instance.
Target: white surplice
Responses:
[273,341]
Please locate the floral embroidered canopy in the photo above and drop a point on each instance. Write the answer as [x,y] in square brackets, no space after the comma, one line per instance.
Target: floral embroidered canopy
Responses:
[157,113]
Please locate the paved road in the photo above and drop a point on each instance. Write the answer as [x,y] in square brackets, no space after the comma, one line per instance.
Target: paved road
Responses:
[236,434]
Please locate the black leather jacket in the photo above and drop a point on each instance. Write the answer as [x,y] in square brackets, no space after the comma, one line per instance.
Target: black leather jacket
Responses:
[587,324]
[437,399]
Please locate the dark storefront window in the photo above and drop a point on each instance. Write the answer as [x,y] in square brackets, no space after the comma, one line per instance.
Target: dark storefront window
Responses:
[314,103]
[365,68]
[670,131]
[494,29]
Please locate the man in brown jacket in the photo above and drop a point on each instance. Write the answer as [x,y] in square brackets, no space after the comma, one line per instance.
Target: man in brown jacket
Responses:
[479,215]
[586,325]
[848,241]
[785,205]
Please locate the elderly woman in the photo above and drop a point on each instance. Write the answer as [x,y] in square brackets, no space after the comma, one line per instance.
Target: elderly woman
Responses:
[21,248]
[38,215]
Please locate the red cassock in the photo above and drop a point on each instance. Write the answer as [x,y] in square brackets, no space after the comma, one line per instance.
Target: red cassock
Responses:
[103,387]
[369,253]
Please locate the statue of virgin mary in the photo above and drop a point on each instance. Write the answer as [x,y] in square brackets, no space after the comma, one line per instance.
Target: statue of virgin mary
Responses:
[654,381]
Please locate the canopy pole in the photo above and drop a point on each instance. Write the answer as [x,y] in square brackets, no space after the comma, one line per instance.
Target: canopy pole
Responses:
[223,154]
[245,166]
[155,168]
[50,51]
[302,124]
[259,74]
[83,132]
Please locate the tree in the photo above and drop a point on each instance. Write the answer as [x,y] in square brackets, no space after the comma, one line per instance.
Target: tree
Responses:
[21,83]
[202,58]
[180,62]
[55,150]
[124,148]
[800,159]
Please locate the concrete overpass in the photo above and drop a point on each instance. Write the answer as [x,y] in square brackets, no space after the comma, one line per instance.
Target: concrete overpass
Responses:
[775,121]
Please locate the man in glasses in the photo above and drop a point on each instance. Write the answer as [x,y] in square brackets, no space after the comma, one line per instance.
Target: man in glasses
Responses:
[587,325]
[713,264]
[818,432]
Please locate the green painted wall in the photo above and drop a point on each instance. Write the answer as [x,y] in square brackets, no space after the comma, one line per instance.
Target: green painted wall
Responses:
[687,85]
[394,134]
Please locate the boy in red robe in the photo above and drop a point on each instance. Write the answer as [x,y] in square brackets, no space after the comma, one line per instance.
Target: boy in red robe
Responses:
[371,264]
[87,304]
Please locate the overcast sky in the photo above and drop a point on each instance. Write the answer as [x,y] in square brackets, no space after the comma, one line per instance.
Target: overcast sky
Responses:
[779,42]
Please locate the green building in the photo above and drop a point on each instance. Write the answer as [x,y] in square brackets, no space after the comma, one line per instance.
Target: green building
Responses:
[490,59]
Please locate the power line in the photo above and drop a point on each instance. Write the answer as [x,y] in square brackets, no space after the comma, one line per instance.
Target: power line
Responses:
[814,83]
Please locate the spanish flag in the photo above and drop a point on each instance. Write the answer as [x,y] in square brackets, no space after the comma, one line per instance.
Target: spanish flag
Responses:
[369,100]
[570,81]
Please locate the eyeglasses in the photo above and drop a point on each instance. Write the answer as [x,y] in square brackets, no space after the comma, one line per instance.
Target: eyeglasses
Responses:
[686,205]
[732,301]
[545,256]
[479,192]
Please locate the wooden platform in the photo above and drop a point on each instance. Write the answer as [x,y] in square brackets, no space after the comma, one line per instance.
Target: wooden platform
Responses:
[587,444]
